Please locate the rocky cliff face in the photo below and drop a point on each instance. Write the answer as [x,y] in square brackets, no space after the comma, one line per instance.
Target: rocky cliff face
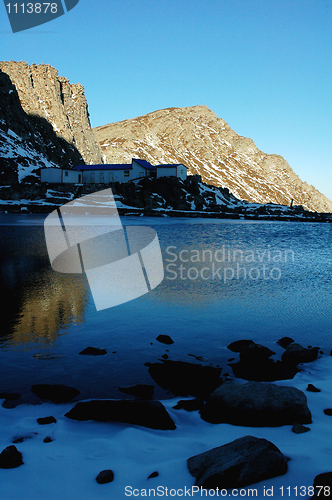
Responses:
[44,121]
[207,145]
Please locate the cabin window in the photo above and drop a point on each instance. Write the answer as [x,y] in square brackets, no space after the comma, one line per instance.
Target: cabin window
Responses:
[66,173]
[79,178]
[126,173]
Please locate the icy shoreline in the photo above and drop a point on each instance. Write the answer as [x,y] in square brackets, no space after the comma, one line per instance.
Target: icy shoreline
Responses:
[67,466]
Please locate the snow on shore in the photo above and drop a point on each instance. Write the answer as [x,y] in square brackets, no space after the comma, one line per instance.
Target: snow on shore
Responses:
[66,467]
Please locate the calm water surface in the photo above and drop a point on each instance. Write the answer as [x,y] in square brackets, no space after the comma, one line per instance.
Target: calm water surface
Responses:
[224,280]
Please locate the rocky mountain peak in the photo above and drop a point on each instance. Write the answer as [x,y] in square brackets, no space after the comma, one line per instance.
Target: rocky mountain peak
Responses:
[207,145]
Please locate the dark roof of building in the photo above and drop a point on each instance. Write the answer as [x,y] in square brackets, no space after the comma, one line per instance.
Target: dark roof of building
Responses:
[116,166]
[144,164]
[126,166]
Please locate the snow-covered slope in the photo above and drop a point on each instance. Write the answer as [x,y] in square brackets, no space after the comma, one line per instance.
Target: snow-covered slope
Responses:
[24,157]
[207,145]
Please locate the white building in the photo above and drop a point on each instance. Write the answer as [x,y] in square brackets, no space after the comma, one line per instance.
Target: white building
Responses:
[103,174]
[59,175]
[177,170]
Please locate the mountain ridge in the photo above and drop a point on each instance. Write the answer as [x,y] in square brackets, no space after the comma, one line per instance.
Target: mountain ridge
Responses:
[44,122]
[207,145]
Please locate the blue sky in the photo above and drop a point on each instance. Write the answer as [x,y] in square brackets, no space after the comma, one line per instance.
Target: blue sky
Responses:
[264,66]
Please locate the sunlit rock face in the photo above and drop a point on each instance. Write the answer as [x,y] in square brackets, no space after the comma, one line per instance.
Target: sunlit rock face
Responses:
[206,144]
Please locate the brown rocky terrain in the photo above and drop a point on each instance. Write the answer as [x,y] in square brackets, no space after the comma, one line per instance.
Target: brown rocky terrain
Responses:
[45,95]
[44,122]
[207,145]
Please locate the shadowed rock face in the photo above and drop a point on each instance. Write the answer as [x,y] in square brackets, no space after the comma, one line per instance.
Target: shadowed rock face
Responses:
[195,137]
[28,142]
[43,93]
[256,404]
[244,461]
[44,122]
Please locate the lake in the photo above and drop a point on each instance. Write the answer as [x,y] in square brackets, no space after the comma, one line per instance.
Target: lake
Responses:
[224,280]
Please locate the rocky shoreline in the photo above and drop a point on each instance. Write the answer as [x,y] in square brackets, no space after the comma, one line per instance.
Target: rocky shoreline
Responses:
[165,197]
[249,399]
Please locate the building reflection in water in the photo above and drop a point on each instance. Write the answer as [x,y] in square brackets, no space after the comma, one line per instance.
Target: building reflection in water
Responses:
[48,309]
[37,303]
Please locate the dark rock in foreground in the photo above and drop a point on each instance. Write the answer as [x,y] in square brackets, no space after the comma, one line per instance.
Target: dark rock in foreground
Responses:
[165,339]
[296,354]
[312,388]
[93,351]
[242,462]
[21,438]
[154,474]
[254,363]
[48,439]
[141,391]
[10,458]
[186,379]
[238,345]
[299,428]
[189,404]
[256,404]
[9,396]
[255,352]
[56,393]
[150,414]
[105,476]
[11,399]
[46,420]
[266,370]
[285,341]
[321,481]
